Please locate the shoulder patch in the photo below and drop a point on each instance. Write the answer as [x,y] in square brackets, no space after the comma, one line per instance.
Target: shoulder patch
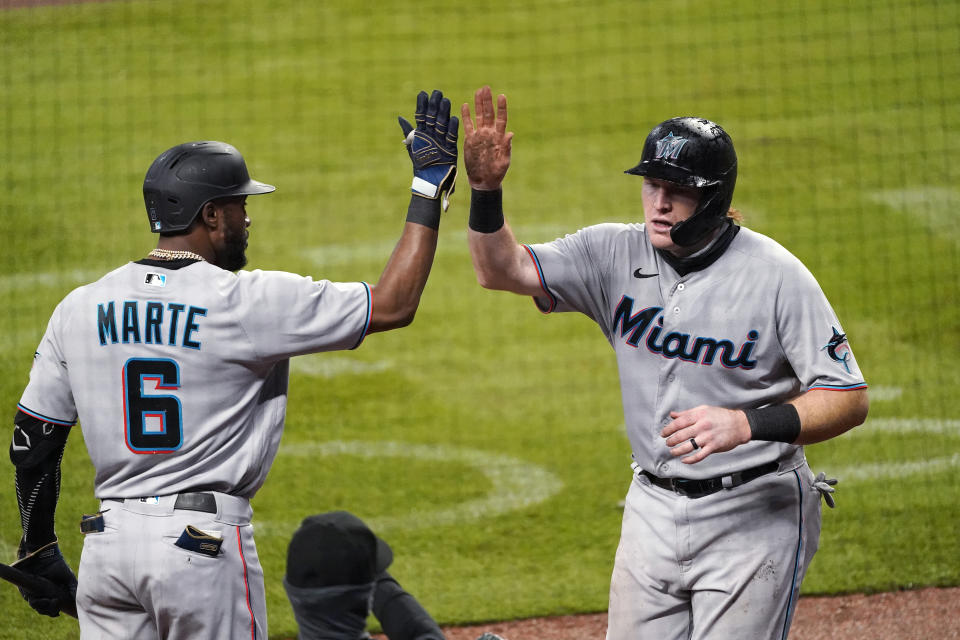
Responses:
[838,349]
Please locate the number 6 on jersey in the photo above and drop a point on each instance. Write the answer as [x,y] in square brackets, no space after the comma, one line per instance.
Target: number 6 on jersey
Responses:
[153,422]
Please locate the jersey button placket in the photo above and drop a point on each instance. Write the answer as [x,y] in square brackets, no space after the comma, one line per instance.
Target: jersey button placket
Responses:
[657,441]
[676,293]
[665,469]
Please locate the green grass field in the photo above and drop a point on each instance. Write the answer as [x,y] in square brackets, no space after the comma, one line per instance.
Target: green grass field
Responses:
[485,442]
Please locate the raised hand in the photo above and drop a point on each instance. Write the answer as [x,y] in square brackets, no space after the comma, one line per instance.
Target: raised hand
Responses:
[486,145]
[432,147]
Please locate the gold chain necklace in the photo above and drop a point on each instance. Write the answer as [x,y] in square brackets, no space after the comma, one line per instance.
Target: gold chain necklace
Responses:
[167,254]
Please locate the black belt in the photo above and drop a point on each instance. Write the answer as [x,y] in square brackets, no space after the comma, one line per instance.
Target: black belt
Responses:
[196,502]
[185,501]
[205,502]
[701,488]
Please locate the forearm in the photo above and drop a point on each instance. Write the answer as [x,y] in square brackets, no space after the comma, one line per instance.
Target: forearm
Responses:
[811,417]
[826,414]
[37,492]
[399,613]
[396,296]
[498,259]
[814,416]
[36,452]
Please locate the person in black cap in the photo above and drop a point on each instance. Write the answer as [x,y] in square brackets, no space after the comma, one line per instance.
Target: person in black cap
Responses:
[337,573]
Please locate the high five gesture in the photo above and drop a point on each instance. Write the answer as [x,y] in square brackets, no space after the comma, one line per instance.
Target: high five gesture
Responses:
[486,145]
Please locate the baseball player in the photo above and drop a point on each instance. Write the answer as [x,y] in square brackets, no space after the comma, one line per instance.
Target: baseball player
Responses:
[730,359]
[176,368]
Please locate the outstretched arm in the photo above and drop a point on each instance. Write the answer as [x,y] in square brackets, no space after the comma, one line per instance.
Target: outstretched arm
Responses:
[498,260]
[432,147]
[821,414]
[396,296]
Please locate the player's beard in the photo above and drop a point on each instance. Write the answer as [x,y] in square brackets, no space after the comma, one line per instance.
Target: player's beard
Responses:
[234,255]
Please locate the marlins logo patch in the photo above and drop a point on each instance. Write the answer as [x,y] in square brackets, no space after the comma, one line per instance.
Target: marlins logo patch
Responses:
[838,349]
[156,280]
[669,146]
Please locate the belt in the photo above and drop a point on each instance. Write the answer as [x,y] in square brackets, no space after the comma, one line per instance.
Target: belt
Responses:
[205,502]
[701,488]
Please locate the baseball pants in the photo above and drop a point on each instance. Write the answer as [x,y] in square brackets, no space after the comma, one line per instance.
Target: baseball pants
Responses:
[726,565]
[137,583]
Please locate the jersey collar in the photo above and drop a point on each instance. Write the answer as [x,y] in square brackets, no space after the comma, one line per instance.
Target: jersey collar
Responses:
[705,258]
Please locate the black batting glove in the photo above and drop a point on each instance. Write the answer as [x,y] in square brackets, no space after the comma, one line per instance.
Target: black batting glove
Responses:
[432,146]
[47,562]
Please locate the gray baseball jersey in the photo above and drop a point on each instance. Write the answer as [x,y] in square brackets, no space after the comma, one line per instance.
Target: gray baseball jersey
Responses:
[179,376]
[752,329]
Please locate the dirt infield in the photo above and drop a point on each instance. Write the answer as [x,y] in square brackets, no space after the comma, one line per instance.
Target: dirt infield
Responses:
[923,614]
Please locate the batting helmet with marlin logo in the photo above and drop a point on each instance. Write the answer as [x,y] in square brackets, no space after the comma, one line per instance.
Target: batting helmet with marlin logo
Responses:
[692,152]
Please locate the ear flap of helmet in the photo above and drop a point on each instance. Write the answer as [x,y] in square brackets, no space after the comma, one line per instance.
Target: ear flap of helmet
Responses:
[693,229]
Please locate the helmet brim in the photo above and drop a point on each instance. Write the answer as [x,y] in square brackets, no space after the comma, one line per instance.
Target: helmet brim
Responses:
[254,187]
[670,173]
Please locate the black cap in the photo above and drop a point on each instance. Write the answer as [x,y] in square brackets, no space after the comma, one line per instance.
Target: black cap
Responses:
[335,548]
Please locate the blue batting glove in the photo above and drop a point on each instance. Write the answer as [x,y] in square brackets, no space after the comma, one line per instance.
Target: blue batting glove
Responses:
[432,146]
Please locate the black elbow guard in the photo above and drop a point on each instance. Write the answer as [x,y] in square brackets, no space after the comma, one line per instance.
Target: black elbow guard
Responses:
[35,441]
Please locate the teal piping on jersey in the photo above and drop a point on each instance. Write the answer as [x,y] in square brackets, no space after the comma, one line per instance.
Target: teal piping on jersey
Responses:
[40,416]
[366,323]
[839,387]
[543,283]
[795,586]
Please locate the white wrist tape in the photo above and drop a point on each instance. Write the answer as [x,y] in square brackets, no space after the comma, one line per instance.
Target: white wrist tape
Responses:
[423,187]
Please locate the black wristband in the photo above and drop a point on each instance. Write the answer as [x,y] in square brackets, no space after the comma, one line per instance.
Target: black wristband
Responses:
[425,211]
[776,423]
[486,210]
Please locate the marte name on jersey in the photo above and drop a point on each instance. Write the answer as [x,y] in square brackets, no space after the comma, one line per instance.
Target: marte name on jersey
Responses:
[674,344]
[134,321]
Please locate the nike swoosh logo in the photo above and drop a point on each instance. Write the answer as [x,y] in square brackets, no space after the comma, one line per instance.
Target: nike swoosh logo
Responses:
[637,274]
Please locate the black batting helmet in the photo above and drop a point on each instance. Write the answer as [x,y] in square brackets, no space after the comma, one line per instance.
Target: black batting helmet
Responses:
[183,179]
[693,152]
